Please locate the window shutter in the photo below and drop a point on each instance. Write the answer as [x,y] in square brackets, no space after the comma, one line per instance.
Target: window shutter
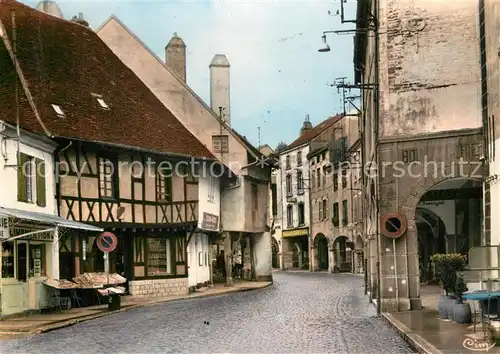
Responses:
[41,193]
[22,194]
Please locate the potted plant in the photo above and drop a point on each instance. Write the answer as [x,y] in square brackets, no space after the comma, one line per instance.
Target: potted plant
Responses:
[461,310]
[446,266]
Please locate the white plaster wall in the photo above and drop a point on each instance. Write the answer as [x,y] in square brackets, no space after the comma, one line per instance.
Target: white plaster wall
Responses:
[8,177]
[198,259]
[233,207]
[281,183]
[262,256]
[220,91]
[445,209]
[208,186]
[429,79]
[189,108]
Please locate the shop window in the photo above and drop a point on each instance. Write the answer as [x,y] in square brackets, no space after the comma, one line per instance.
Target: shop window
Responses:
[159,260]
[8,260]
[22,254]
[37,260]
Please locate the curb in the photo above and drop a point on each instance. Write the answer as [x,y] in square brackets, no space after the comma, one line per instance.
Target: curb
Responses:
[68,323]
[413,339]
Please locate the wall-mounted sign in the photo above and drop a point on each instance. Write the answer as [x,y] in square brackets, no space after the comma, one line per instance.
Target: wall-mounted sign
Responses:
[210,222]
[393,225]
[107,242]
[44,236]
[295,232]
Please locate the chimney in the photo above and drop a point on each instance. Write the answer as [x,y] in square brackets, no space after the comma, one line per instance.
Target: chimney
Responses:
[306,125]
[80,20]
[219,86]
[49,7]
[175,57]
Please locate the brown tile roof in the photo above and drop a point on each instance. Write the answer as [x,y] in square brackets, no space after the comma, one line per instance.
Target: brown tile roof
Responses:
[64,63]
[314,132]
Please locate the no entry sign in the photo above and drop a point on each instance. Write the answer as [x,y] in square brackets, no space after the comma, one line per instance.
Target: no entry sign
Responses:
[393,225]
[107,242]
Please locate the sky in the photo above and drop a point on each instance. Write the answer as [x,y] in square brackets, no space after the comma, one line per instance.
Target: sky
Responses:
[277,74]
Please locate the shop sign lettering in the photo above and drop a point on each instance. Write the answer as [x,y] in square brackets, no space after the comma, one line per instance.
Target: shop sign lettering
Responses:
[45,236]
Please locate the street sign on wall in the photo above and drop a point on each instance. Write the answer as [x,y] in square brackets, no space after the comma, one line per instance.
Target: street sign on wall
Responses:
[393,225]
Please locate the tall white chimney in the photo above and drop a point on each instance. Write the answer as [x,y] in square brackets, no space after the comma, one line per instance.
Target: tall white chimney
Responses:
[219,86]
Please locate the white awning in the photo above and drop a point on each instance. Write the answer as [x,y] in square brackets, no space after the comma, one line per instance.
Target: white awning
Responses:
[47,219]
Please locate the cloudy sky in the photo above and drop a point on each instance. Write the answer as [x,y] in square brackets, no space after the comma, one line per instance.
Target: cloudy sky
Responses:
[277,74]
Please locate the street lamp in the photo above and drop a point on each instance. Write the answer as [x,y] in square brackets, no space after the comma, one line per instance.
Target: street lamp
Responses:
[326,46]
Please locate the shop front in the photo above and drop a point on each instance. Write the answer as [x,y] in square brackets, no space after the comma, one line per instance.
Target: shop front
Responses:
[29,249]
[296,248]
[159,264]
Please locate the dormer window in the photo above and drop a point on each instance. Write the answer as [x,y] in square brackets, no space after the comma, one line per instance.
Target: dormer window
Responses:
[103,103]
[58,110]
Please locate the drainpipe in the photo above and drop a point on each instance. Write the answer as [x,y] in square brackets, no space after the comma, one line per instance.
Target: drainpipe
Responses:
[311,240]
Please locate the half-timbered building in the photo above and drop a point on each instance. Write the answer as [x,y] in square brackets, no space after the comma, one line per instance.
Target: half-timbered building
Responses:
[244,201]
[124,162]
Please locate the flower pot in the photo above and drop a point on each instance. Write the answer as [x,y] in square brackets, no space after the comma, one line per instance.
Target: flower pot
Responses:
[442,306]
[450,303]
[461,312]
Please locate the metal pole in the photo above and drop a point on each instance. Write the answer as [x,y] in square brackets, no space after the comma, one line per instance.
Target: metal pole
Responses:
[395,272]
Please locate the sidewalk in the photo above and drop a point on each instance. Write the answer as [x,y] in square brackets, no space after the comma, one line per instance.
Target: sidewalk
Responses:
[41,323]
[426,333]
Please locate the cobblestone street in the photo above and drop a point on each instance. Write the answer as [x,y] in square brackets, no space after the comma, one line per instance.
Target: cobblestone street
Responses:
[299,313]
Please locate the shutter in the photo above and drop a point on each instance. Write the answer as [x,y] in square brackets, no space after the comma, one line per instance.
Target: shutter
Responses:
[22,194]
[41,192]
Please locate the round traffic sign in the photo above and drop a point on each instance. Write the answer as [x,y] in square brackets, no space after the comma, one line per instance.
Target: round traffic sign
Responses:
[393,225]
[107,242]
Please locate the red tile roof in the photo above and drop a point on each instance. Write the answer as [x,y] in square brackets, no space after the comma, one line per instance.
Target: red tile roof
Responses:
[64,63]
[314,132]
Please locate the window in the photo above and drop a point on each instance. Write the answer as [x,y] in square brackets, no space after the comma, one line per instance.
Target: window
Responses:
[220,143]
[318,177]
[301,214]
[31,185]
[324,178]
[299,158]
[159,256]
[163,183]
[106,177]
[289,190]
[37,260]
[344,179]
[58,110]
[211,189]
[274,194]
[345,219]
[289,215]
[300,183]
[335,182]
[8,260]
[313,179]
[324,209]
[288,166]
[335,218]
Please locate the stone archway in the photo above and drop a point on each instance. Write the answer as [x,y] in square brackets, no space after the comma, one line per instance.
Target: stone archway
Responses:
[342,254]
[408,207]
[321,253]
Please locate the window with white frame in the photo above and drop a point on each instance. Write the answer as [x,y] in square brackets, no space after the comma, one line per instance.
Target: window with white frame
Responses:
[106,177]
[289,215]
[220,143]
[300,182]
[289,190]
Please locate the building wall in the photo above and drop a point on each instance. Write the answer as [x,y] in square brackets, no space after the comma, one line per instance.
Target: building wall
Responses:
[209,200]
[198,255]
[423,63]
[8,175]
[159,287]
[281,183]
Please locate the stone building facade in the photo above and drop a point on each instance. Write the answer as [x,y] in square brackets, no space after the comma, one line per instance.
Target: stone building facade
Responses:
[422,133]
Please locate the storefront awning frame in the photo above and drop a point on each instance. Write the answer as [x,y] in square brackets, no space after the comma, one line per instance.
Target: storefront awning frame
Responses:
[47,219]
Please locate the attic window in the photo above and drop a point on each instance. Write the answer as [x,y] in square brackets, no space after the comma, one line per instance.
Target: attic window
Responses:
[58,110]
[102,103]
